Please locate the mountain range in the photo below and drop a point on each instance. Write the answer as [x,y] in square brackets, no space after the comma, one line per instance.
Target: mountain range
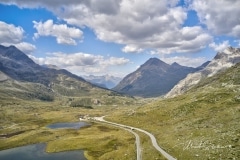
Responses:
[21,77]
[154,78]
[106,81]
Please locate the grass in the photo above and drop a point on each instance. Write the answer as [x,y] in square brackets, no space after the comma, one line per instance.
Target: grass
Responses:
[148,151]
[189,131]
[102,144]
[201,124]
[25,123]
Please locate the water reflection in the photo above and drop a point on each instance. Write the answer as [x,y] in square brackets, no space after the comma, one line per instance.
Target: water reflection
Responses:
[73,125]
[37,152]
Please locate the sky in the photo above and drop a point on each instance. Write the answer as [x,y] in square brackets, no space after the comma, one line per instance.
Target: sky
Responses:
[115,37]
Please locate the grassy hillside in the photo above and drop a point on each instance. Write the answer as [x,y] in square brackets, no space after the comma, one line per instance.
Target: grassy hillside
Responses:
[201,124]
[65,90]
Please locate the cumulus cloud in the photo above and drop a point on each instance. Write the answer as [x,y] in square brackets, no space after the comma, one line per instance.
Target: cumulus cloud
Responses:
[62,33]
[26,47]
[108,7]
[42,3]
[81,63]
[185,61]
[185,40]
[139,25]
[142,24]
[114,61]
[220,16]
[76,59]
[12,35]
[219,47]
[132,49]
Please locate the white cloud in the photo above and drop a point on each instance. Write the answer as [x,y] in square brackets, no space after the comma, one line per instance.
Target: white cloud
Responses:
[63,33]
[185,61]
[132,49]
[185,40]
[76,59]
[81,63]
[12,35]
[114,61]
[220,16]
[219,47]
[25,47]
[42,3]
[145,24]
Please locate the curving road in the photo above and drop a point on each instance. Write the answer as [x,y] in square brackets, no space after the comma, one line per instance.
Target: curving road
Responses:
[138,145]
[153,139]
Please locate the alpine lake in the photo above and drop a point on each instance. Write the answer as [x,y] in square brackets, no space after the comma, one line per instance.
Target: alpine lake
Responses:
[37,151]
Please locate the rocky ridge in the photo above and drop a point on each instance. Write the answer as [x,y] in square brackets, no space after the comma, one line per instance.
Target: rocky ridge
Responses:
[223,60]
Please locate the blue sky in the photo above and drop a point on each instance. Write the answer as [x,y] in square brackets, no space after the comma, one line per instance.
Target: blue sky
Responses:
[116,36]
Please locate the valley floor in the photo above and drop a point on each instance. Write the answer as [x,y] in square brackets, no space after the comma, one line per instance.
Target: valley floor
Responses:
[184,130]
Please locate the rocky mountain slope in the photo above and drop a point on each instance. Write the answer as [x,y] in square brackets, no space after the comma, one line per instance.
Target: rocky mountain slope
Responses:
[105,81]
[20,77]
[221,61]
[153,78]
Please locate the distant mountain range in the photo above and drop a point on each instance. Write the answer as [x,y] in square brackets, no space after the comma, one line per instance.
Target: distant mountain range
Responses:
[154,78]
[105,81]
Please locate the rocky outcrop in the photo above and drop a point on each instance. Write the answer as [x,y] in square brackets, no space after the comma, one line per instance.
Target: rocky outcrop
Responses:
[221,61]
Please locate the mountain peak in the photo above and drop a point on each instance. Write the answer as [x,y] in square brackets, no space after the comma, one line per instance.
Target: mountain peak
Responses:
[175,64]
[154,78]
[154,61]
[14,53]
[13,47]
[229,50]
[154,64]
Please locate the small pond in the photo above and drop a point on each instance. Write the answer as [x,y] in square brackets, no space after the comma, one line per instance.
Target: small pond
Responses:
[72,125]
[37,152]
